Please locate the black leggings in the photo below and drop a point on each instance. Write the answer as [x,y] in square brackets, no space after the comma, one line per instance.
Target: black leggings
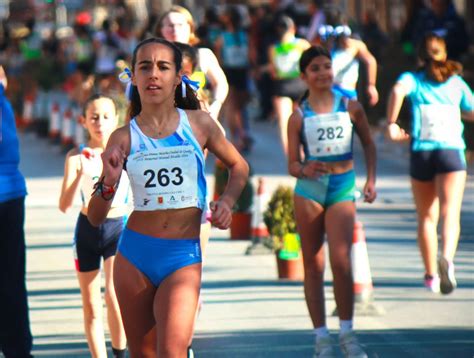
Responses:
[15,334]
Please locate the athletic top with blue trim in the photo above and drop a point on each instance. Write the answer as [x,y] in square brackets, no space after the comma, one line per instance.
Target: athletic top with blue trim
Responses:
[12,182]
[327,137]
[235,49]
[92,169]
[167,173]
[436,116]
[346,69]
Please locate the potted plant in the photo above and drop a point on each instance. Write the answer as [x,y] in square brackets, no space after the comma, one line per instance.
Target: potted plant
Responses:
[284,239]
[241,226]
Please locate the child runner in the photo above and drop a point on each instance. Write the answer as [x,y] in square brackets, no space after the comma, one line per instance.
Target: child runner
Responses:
[346,51]
[324,193]
[82,169]
[288,87]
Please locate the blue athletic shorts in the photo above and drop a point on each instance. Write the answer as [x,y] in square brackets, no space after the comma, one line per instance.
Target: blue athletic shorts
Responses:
[425,164]
[328,189]
[158,258]
[93,243]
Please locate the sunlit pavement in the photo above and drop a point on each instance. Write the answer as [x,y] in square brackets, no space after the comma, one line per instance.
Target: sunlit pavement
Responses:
[246,310]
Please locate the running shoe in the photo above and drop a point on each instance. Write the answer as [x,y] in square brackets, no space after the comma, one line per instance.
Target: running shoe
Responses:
[190,352]
[432,283]
[350,346]
[324,348]
[446,274]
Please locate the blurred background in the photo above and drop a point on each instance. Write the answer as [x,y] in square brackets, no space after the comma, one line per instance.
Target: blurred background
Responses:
[49,51]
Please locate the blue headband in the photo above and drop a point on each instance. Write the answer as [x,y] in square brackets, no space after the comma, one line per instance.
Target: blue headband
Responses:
[126,77]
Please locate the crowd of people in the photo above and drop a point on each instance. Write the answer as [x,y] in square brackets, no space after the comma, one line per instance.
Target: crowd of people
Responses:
[182,81]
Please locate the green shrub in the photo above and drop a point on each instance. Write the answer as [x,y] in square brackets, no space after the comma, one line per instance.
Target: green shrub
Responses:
[280,213]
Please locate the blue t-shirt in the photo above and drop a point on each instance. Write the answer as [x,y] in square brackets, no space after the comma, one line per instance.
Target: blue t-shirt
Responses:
[12,182]
[430,102]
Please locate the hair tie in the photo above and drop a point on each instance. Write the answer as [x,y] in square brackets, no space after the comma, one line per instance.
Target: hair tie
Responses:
[342,30]
[126,77]
[185,80]
[327,31]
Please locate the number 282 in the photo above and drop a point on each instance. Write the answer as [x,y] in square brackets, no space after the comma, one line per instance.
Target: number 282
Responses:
[330,133]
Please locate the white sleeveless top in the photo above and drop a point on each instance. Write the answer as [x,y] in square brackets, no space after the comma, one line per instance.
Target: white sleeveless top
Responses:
[92,169]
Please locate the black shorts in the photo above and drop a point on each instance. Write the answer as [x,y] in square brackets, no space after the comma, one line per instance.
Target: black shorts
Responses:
[237,78]
[91,243]
[425,164]
[293,88]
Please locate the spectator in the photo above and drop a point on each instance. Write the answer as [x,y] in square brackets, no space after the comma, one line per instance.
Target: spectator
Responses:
[15,334]
[443,20]
[317,20]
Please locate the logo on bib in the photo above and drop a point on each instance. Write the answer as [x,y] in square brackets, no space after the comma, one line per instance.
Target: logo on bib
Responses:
[145,201]
[160,200]
[172,199]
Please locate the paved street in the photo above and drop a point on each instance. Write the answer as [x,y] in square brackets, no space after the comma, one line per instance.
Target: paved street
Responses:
[247,312]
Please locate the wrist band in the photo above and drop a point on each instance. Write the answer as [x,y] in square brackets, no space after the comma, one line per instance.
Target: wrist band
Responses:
[106,192]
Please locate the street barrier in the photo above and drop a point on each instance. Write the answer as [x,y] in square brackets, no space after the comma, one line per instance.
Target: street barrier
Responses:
[66,129]
[79,132]
[55,122]
[27,114]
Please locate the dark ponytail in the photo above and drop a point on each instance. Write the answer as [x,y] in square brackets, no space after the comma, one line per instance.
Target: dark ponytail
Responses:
[441,71]
[189,102]
[436,70]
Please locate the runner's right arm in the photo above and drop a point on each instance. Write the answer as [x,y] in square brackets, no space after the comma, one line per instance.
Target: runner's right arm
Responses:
[71,181]
[113,159]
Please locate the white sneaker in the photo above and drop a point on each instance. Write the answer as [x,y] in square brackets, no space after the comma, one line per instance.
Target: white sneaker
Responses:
[350,346]
[190,352]
[446,274]
[432,283]
[324,348]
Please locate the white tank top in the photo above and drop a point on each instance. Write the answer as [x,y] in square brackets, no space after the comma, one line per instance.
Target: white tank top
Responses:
[92,169]
[346,68]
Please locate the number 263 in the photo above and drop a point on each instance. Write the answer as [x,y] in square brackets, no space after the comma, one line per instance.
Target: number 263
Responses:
[163,177]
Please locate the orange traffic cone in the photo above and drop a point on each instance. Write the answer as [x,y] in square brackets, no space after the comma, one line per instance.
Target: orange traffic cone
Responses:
[66,129]
[363,287]
[27,115]
[259,229]
[54,122]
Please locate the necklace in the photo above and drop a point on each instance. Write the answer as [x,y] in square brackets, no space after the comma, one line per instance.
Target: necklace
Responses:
[152,129]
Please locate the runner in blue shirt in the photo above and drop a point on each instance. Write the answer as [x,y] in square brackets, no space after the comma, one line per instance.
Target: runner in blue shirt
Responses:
[439,98]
